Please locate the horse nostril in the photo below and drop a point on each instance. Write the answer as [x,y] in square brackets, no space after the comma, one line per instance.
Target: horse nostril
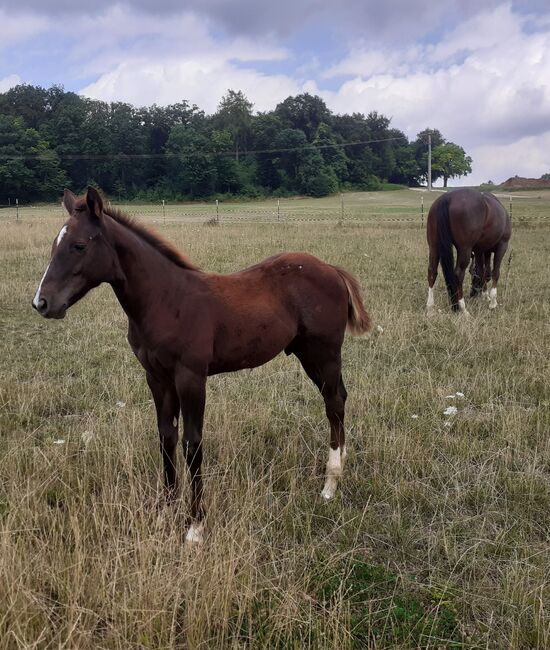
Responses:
[41,306]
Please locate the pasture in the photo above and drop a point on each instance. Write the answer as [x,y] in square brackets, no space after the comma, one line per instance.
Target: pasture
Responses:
[438,536]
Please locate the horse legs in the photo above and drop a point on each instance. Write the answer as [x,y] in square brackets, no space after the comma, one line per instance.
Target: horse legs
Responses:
[323,366]
[499,254]
[432,275]
[486,275]
[463,259]
[168,407]
[191,389]
[477,269]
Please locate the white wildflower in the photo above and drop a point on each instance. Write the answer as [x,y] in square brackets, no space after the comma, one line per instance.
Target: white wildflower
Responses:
[380,329]
[459,394]
[59,441]
[120,404]
[450,396]
[447,424]
[450,410]
[414,416]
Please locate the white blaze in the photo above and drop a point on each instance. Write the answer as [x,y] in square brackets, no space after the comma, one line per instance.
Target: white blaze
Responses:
[37,294]
[58,241]
[62,234]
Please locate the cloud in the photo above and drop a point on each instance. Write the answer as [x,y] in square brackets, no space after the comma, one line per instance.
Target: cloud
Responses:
[485,85]
[9,82]
[479,71]
[200,82]
[19,27]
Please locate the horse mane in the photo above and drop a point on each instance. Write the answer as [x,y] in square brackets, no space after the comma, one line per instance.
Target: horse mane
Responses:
[151,237]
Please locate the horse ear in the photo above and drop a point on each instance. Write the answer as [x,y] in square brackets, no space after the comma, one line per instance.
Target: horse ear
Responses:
[94,202]
[69,199]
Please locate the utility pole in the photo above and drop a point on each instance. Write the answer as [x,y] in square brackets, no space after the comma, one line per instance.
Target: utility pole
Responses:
[429,162]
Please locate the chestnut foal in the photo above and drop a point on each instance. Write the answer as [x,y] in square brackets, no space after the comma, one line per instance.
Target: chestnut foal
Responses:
[185,324]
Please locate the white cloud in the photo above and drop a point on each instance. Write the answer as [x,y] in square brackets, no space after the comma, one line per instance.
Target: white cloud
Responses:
[200,82]
[486,86]
[19,27]
[9,82]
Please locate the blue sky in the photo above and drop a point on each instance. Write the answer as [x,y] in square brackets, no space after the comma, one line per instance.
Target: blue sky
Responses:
[479,71]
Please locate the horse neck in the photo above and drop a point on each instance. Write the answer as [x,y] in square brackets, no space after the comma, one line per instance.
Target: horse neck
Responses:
[144,272]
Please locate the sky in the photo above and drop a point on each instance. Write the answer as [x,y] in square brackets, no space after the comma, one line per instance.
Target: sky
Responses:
[476,70]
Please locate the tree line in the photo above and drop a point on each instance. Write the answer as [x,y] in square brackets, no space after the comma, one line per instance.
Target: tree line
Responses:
[51,138]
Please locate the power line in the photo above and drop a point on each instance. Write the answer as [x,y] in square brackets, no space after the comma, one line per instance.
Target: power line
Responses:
[167,154]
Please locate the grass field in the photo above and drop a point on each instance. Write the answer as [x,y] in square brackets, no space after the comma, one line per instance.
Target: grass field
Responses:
[438,536]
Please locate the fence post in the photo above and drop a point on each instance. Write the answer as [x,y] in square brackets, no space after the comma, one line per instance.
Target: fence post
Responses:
[510,207]
[278,210]
[17,209]
[342,207]
[217,211]
[422,208]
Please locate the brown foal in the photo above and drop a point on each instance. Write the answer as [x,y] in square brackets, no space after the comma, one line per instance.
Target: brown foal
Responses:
[185,324]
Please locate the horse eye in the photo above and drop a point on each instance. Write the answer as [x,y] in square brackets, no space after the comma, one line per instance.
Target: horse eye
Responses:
[79,246]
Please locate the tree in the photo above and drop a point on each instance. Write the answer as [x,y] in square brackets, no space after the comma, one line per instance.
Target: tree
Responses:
[450,161]
[420,146]
[304,112]
[235,114]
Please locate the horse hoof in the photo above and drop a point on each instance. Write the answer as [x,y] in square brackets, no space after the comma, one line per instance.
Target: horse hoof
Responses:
[195,534]
[493,305]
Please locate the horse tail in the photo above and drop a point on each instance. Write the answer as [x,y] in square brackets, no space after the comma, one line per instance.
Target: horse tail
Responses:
[445,246]
[358,318]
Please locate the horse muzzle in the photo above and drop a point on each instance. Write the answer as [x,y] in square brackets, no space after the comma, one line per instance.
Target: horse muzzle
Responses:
[46,309]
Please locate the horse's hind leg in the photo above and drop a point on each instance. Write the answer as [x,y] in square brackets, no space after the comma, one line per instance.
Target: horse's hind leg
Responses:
[477,270]
[463,259]
[499,254]
[432,275]
[323,366]
[486,276]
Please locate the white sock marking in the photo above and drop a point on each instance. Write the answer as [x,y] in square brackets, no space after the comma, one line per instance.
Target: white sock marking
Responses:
[334,470]
[493,298]
[462,307]
[195,534]
[431,302]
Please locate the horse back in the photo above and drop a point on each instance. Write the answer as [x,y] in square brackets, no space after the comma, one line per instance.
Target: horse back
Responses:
[260,310]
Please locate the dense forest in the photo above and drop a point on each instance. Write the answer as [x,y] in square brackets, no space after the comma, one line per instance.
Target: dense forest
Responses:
[51,139]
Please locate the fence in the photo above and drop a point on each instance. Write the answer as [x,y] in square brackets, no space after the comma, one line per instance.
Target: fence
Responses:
[357,209]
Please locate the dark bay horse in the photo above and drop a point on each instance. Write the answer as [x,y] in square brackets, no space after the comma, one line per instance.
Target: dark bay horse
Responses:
[185,324]
[477,224]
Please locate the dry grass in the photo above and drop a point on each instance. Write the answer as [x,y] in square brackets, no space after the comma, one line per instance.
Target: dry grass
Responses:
[438,537]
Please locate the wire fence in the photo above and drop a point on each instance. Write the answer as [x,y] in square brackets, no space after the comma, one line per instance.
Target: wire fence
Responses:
[336,210]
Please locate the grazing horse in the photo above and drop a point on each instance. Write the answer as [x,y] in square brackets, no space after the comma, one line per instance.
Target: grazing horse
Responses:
[185,325]
[477,225]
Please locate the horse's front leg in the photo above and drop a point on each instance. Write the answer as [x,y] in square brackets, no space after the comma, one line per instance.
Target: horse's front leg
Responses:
[168,408]
[191,389]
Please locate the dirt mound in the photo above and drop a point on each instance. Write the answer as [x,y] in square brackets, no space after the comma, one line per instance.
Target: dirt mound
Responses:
[518,182]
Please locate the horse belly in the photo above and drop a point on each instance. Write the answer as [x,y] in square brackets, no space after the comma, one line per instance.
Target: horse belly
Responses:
[250,343]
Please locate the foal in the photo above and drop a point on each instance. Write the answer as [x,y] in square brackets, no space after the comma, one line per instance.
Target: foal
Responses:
[185,325]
